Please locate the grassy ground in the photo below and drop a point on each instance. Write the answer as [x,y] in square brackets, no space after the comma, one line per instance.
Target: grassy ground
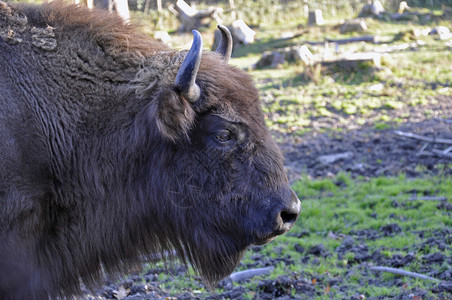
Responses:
[338,208]
[347,226]
[295,95]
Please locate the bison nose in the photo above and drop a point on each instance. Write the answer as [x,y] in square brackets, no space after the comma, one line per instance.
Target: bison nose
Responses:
[289,214]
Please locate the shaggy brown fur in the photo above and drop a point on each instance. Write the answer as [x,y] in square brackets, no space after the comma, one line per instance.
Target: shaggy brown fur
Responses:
[103,162]
[108,30]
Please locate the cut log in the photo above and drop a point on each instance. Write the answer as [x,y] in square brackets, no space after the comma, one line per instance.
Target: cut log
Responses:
[372,8]
[301,53]
[162,36]
[242,32]
[400,47]
[122,8]
[403,6]
[289,54]
[270,59]
[365,38]
[442,31]
[356,25]
[191,18]
[406,16]
[315,17]
[354,61]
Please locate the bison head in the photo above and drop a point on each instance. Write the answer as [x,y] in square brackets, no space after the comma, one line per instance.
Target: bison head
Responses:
[223,185]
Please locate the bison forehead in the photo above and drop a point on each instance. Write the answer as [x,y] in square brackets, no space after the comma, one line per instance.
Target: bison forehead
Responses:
[230,92]
[157,71]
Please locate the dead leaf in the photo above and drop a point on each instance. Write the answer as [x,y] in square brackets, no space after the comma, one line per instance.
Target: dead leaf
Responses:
[121,293]
[332,235]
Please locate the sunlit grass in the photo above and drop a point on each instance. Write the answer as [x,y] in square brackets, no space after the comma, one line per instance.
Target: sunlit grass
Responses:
[340,207]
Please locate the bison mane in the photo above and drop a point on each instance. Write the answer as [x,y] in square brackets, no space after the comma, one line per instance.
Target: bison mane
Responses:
[118,38]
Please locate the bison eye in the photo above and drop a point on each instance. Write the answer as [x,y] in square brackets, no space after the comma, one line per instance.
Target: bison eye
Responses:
[223,136]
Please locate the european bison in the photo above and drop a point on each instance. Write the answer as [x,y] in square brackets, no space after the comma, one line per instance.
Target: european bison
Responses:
[114,147]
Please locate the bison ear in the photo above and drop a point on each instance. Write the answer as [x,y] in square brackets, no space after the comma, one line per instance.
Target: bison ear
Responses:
[175,116]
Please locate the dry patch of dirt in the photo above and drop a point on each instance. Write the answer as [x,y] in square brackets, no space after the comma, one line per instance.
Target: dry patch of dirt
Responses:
[367,151]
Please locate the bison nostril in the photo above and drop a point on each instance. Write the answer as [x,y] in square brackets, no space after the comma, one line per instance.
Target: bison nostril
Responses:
[288,217]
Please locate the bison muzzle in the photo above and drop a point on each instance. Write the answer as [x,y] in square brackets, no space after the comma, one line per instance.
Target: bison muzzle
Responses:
[115,147]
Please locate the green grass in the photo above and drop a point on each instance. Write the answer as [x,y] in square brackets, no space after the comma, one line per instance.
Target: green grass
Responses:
[343,206]
[342,210]
[294,96]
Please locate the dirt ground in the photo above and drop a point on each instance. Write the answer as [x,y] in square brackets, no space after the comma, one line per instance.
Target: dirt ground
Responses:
[370,152]
[365,152]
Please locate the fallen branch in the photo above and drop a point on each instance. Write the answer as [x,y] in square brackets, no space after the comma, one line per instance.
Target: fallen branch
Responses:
[403,273]
[357,39]
[365,38]
[447,121]
[424,147]
[434,152]
[442,153]
[247,274]
[425,154]
[424,138]
[398,47]
[447,150]
[428,198]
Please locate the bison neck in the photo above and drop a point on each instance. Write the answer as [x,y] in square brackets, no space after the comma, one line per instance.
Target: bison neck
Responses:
[91,165]
[102,188]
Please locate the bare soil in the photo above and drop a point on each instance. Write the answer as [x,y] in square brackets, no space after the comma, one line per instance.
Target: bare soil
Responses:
[374,152]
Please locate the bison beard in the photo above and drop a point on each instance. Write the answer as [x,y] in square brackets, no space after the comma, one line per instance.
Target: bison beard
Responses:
[115,147]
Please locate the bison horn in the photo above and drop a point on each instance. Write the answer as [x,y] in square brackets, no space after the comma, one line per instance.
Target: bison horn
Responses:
[186,76]
[225,46]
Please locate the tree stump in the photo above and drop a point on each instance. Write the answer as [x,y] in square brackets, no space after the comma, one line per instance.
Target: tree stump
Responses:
[356,25]
[191,18]
[372,9]
[315,17]
[290,54]
[354,61]
[241,34]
